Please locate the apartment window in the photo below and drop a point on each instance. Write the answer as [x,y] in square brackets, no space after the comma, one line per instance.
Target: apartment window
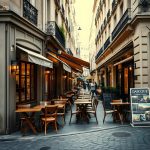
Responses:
[121,10]
[109,30]
[115,21]
[25,83]
[56,16]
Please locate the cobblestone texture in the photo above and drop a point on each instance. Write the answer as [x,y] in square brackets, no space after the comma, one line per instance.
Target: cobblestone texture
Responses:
[137,139]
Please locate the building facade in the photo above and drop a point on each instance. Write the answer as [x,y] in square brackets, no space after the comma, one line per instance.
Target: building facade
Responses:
[122,44]
[37,62]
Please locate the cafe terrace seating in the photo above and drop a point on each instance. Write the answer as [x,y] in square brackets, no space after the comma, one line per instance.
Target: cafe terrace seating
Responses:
[93,108]
[50,116]
[23,127]
[73,112]
[107,106]
[61,110]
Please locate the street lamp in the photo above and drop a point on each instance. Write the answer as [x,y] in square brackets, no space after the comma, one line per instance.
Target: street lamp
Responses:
[79,28]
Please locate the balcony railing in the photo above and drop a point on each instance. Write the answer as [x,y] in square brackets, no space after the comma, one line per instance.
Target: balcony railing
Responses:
[30,12]
[123,21]
[68,50]
[53,29]
[107,43]
[99,53]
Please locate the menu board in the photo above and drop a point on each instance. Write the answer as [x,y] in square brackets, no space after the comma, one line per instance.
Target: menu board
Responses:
[140,106]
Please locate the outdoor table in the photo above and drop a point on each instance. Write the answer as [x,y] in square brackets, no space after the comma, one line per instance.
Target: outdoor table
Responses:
[82,105]
[118,106]
[43,106]
[24,112]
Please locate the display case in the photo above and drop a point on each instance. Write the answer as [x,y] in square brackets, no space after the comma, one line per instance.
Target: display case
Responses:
[140,106]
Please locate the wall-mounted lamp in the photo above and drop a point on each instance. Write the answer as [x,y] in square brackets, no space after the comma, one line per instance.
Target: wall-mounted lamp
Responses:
[14,66]
[47,71]
[59,52]
[79,28]
[130,68]
[64,76]
[12,48]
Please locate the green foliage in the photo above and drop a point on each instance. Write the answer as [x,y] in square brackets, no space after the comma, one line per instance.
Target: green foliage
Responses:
[113,90]
[62,32]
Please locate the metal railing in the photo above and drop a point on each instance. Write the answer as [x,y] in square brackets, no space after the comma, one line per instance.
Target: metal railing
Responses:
[99,53]
[103,48]
[53,29]
[30,12]
[106,44]
[122,22]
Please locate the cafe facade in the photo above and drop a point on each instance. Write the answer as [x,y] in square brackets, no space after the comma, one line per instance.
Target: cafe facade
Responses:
[122,43]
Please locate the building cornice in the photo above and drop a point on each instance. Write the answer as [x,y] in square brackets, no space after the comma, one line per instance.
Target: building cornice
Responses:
[140,17]
[9,16]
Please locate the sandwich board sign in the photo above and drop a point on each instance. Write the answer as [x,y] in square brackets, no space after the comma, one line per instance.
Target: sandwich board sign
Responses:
[140,106]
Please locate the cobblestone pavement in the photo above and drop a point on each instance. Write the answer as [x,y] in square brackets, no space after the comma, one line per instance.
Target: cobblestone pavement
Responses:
[117,138]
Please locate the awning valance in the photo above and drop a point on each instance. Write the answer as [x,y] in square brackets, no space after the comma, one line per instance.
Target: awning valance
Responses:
[124,60]
[75,60]
[65,66]
[73,65]
[36,58]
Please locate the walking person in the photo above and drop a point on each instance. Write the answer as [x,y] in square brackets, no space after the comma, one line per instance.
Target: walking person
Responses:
[93,88]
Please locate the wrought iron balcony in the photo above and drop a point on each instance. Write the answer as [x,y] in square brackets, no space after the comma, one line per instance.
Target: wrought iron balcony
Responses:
[106,44]
[123,21]
[30,12]
[99,53]
[68,50]
[53,29]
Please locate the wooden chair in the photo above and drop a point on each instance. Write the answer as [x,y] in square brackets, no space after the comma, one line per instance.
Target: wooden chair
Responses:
[93,108]
[118,112]
[107,106]
[50,116]
[75,112]
[61,110]
[23,127]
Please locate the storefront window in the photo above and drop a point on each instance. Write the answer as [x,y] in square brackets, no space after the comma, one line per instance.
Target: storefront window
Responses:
[50,84]
[25,82]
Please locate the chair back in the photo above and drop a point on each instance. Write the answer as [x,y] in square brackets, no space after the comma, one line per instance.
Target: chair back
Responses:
[44,103]
[24,106]
[106,101]
[117,100]
[50,111]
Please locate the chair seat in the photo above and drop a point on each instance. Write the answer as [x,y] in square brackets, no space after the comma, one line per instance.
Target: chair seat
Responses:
[48,119]
[60,114]
[110,111]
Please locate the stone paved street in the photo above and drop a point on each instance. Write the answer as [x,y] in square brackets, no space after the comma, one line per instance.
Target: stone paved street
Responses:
[82,136]
[119,138]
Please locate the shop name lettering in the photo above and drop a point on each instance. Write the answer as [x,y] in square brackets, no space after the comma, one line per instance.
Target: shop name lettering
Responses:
[140,91]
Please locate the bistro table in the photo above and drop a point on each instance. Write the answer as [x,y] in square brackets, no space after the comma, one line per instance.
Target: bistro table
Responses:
[119,106]
[82,105]
[24,112]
